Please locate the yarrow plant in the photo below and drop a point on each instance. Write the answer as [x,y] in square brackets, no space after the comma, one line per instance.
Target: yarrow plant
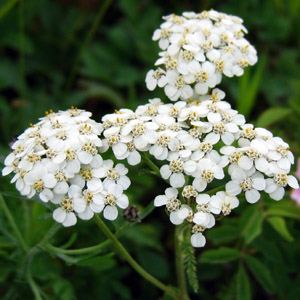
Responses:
[198,49]
[203,148]
[57,158]
[194,143]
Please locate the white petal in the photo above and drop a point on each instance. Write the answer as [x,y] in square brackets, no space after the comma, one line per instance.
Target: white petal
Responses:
[70,220]
[233,188]
[87,214]
[198,240]
[171,193]
[227,138]
[79,205]
[177,180]
[94,184]
[119,149]
[61,188]
[85,157]
[110,213]
[122,201]
[134,158]
[212,138]
[245,163]
[199,184]
[160,200]
[277,194]
[252,196]
[292,182]
[125,182]
[46,195]
[95,207]
[259,183]
[175,218]
[203,199]
[59,215]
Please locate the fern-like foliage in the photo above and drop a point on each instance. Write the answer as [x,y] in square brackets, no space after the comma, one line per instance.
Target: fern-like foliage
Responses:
[190,262]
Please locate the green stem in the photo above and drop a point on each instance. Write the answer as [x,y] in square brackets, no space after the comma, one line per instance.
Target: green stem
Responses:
[34,287]
[33,251]
[103,8]
[7,7]
[124,253]
[179,258]
[100,247]
[21,50]
[13,224]
[215,190]
[151,165]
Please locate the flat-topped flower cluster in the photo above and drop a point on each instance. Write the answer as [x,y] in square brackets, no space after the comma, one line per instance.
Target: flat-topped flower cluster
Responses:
[57,158]
[198,49]
[199,142]
[185,137]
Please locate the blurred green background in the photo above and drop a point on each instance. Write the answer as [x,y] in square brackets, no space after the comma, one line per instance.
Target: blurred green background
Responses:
[95,55]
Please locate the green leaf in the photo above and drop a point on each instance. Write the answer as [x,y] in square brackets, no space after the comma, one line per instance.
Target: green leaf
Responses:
[243,288]
[190,262]
[261,273]
[100,263]
[63,288]
[284,209]
[279,225]
[219,256]
[223,234]
[272,115]
[249,87]
[7,7]
[253,227]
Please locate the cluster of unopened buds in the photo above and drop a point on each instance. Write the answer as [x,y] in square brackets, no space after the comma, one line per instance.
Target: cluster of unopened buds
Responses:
[195,142]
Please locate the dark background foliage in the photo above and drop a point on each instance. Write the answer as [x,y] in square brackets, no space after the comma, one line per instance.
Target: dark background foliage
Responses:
[95,55]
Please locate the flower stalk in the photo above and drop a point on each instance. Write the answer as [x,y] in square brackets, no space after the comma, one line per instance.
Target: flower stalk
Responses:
[179,258]
[13,224]
[124,253]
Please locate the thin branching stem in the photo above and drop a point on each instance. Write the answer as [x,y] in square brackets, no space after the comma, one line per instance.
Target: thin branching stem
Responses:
[34,287]
[102,246]
[13,224]
[22,50]
[125,254]
[179,259]
[102,10]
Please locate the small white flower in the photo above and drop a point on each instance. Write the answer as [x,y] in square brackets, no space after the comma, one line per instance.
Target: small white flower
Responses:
[223,131]
[111,197]
[175,170]
[202,75]
[87,203]
[154,78]
[65,213]
[41,182]
[249,182]
[207,171]
[203,216]
[198,240]
[178,212]
[223,202]
[177,86]
[275,186]
[279,151]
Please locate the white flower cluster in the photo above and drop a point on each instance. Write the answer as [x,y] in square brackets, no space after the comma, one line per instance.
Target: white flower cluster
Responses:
[195,142]
[197,50]
[58,159]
